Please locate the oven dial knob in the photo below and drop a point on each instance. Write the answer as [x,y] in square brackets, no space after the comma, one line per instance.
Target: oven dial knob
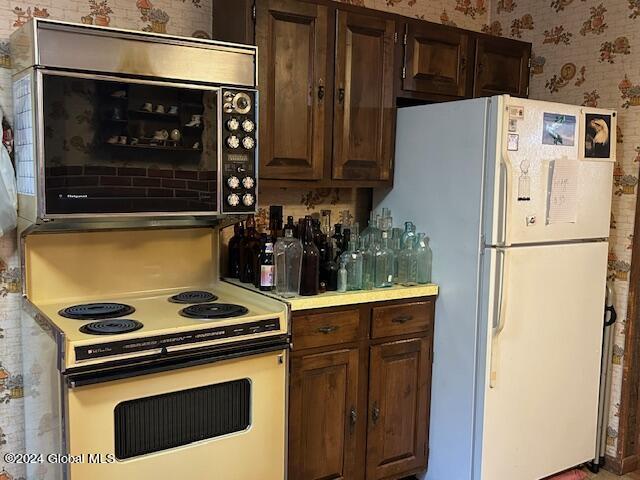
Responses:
[248,199]
[233,200]
[228,97]
[233,182]
[242,103]
[233,142]
[248,143]
[228,108]
[248,183]
[248,126]
[233,124]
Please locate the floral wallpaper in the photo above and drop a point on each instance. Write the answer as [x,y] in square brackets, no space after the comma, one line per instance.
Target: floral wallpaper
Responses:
[580,46]
[587,52]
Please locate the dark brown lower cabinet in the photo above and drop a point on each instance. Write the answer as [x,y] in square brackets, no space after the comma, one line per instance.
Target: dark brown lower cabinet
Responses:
[322,409]
[359,395]
[399,375]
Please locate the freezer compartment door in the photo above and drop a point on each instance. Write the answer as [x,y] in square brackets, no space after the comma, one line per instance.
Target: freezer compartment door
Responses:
[527,162]
[543,362]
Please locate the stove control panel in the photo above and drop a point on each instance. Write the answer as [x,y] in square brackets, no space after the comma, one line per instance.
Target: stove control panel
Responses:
[239,150]
[160,342]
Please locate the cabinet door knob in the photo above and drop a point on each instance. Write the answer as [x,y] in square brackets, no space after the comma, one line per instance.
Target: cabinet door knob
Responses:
[320,92]
[341,95]
[353,418]
[402,319]
[463,64]
[375,413]
[328,329]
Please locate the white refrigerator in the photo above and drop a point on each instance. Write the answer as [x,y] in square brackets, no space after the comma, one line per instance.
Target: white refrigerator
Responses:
[516,197]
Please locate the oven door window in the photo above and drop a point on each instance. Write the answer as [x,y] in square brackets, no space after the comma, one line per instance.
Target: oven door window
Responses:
[126,147]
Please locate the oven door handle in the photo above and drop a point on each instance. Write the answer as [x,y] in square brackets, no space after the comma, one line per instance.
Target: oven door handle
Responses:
[165,364]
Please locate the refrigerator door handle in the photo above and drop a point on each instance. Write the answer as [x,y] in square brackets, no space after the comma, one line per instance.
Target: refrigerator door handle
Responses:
[499,316]
[506,174]
[502,207]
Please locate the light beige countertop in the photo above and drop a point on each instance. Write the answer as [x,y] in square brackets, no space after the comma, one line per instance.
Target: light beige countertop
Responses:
[338,299]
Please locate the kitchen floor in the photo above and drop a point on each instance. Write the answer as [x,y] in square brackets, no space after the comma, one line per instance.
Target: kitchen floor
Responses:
[604,475]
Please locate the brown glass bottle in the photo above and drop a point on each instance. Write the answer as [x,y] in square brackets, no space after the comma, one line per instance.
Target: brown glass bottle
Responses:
[310,278]
[249,250]
[234,250]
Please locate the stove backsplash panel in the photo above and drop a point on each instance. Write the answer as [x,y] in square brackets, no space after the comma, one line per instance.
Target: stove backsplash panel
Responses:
[94,265]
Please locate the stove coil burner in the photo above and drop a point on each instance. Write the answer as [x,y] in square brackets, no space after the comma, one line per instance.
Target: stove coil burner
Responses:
[212,311]
[111,327]
[97,311]
[196,296]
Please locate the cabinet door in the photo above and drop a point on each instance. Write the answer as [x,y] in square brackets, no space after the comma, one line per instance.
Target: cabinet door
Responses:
[233,21]
[364,109]
[399,384]
[436,60]
[322,416]
[292,44]
[502,66]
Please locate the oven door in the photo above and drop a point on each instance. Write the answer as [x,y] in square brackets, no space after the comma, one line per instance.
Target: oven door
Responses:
[112,146]
[220,420]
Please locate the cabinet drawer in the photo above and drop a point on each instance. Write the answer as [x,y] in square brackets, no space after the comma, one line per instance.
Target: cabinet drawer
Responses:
[322,329]
[401,319]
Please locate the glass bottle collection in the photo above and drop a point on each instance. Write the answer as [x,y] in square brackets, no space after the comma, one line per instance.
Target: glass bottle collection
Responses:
[308,258]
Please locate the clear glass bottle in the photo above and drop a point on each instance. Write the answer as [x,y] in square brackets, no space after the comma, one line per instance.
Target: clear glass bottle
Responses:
[409,234]
[352,259]
[288,262]
[310,278]
[396,245]
[408,264]
[368,264]
[425,258]
[371,235]
[384,263]
[342,277]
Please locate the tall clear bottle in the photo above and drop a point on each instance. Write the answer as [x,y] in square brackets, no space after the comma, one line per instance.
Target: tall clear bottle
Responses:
[424,258]
[371,235]
[368,264]
[310,278]
[352,260]
[288,262]
[408,264]
[409,234]
[384,263]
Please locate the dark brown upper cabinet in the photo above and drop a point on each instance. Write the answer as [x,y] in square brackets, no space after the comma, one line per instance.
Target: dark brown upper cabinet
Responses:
[331,75]
[364,101]
[501,66]
[437,62]
[234,21]
[293,41]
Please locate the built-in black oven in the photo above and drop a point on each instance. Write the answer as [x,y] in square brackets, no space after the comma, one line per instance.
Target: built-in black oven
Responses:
[102,136]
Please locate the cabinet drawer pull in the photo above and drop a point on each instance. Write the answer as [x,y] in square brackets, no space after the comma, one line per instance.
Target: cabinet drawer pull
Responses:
[328,329]
[375,413]
[402,319]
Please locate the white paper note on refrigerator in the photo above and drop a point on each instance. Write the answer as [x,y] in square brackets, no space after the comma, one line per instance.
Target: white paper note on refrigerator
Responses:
[562,191]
